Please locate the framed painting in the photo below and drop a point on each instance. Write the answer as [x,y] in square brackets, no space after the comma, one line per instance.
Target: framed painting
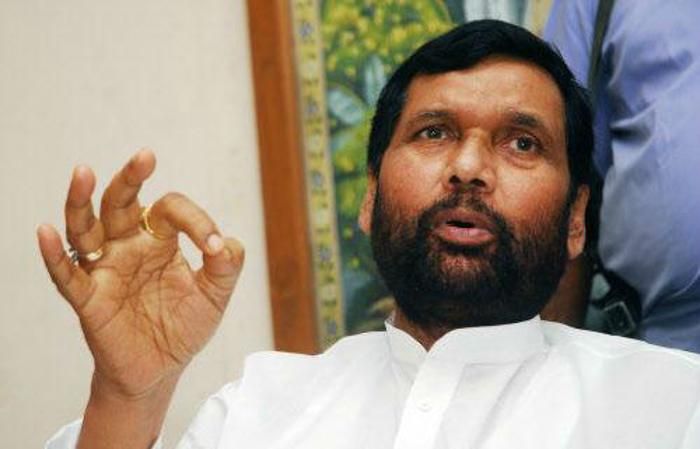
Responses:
[319,67]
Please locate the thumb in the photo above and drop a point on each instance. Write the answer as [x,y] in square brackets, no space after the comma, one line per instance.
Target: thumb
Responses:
[220,271]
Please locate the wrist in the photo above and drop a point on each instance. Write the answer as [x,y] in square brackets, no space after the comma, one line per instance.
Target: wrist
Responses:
[117,419]
[106,389]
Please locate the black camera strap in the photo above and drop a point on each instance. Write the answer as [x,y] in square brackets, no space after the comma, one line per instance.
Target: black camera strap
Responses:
[602,20]
[612,300]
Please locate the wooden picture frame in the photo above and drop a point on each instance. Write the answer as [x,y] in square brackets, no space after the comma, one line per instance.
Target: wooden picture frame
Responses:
[289,256]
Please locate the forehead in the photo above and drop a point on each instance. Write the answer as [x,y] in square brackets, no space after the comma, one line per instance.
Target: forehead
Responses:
[494,86]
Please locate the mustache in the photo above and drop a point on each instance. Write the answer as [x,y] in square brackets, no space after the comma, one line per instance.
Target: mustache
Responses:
[470,201]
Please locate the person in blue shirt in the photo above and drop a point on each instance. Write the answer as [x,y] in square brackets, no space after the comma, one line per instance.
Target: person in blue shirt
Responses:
[648,151]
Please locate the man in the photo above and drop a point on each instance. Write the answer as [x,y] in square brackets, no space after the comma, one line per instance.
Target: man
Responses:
[647,150]
[478,158]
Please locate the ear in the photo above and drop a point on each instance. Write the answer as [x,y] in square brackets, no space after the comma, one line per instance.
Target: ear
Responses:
[364,219]
[577,223]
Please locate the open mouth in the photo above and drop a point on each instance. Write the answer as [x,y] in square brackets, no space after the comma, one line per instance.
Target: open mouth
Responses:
[461,224]
[464,227]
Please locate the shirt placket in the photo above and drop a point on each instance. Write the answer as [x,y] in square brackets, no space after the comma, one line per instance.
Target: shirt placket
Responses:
[427,402]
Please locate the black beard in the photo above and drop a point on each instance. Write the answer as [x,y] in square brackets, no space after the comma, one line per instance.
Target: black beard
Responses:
[438,285]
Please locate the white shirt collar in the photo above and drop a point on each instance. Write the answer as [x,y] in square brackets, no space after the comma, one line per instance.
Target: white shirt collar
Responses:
[487,344]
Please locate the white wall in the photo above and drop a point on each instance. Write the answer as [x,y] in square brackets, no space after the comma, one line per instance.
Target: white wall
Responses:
[85,81]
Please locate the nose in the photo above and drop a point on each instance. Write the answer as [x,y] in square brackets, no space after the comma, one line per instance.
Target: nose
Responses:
[471,165]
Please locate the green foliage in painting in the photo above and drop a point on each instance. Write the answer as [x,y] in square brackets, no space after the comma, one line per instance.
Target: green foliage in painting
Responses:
[364,40]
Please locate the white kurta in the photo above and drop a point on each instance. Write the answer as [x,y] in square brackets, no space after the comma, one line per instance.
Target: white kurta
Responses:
[533,384]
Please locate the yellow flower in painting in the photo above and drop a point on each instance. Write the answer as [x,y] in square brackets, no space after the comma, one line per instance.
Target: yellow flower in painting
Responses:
[344,164]
[362,25]
[414,29]
[397,35]
[336,14]
[347,38]
[332,62]
[433,27]
[379,17]
[344,14]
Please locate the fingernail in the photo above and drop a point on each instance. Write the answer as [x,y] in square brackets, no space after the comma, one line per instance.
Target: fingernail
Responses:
[78,169]
[215,243]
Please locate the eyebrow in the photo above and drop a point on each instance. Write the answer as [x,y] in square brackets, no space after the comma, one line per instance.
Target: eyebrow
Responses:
[428,115]
[530,121]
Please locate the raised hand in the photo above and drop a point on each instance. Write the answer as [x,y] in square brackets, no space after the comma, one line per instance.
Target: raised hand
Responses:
[143,310]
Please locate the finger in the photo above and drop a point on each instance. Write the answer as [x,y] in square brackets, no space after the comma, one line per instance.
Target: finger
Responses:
[119,210]
[175,213]
[83,230]
[219,274]
[72,282]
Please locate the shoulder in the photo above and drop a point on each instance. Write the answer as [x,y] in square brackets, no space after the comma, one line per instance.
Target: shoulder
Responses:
[607,353]
[638,386]
[356,353]
[346,348]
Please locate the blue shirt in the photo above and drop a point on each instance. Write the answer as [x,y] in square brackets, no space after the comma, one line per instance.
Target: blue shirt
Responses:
[647,128]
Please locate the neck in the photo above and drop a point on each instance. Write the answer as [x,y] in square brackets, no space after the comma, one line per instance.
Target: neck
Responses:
[425,335]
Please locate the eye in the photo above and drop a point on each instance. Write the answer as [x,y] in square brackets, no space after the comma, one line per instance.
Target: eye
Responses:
[524,144]
[432,133]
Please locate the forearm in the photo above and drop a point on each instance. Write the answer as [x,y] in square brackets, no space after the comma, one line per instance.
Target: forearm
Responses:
[114,421]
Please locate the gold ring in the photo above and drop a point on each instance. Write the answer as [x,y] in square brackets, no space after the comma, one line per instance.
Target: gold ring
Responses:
[146,223]
[92,256]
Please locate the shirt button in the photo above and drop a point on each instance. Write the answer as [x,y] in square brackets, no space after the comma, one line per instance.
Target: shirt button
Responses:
[424,406]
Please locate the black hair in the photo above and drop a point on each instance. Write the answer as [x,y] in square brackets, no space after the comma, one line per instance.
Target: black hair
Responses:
[464,47]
